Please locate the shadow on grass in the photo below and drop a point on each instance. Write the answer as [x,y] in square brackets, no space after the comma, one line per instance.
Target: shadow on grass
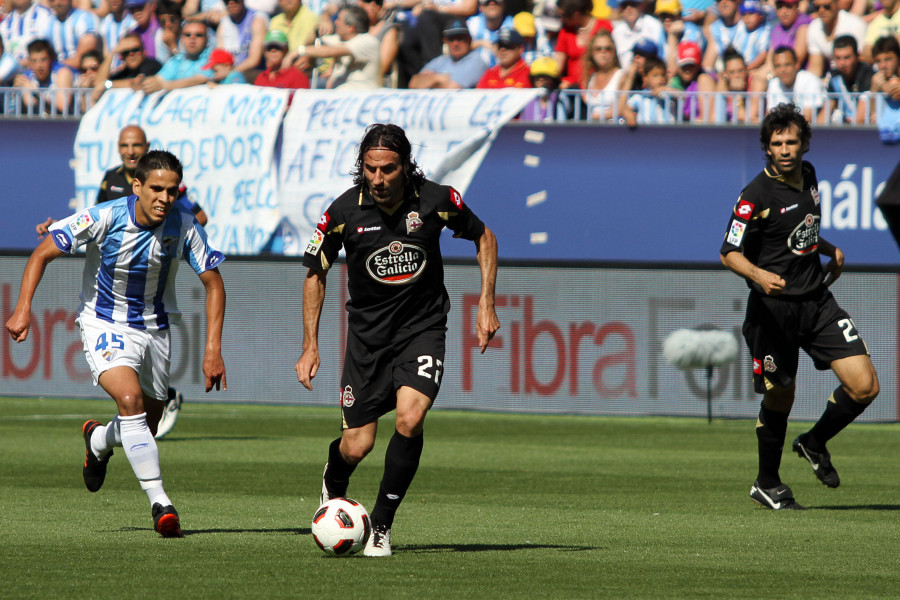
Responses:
[431,548]
[190,532]
[858,507]
[217,438]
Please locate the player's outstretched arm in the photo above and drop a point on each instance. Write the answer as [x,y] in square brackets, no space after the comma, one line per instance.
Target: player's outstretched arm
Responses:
[487,323]
[313,299]
[213,364]
[771,283]
[20,321]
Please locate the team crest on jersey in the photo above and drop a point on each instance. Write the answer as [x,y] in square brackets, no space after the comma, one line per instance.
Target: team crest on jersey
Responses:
[805,237]
[744,209]
[456,199]
[81,222]
[815,195]
[315,242]
[397,263]
[347,398]
[323,222]
[169,243]
[109,355]
[413,222]
[769,364]
[736,232]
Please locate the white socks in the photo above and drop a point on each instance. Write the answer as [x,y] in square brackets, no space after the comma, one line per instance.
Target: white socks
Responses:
[143,454]
[105,438]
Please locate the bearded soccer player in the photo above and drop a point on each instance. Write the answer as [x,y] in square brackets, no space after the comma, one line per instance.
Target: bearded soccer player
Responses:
[773,242]
[133,247]
[389,224]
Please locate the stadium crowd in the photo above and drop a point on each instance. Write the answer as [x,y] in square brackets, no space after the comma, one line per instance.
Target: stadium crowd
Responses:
[635,61]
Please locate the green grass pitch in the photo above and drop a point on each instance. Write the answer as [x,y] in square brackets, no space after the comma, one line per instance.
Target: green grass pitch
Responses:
[504,506]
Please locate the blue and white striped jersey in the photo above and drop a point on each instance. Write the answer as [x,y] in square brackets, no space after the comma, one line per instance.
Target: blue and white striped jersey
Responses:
[129,271]
[20,29]
[111,31]
[64,35]
[751,43]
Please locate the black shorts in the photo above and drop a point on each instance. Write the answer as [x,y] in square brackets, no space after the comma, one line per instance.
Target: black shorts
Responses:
[777,327]
[372,376]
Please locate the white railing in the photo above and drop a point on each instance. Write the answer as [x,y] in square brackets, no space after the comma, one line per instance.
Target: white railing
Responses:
[672,108]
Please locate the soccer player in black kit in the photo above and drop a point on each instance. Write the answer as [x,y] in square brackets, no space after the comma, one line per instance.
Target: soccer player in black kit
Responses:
[389,224]
[773,242]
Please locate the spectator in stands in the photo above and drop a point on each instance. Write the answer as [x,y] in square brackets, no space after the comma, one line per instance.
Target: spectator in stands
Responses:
[604,73]
[578,28]
[386,31]
[733,103]
[633,79]
[144,13]
[242,33]
[220,68]
[114,25]
[887,23]
[534,35]
[208,11]
[72,32]
[649,105]
[720,33]
[792,84]
[886,51]
[168,36]
[135,66]
[276,74]
[751,38]
[790,29]
[459,68]
[44,73]
[697,12]
[185,69]
[677,30]
[86,79]
[27,21]
[634,27]
[298,23]
[848,78]
[9,67]
[510,70]
[422,41]
[549,106]
[357,53]
[697,85]
[485,28]
[831,24]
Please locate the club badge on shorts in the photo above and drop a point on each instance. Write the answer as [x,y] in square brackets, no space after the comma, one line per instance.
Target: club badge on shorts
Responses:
[769,363]
[413,222]
[347,398]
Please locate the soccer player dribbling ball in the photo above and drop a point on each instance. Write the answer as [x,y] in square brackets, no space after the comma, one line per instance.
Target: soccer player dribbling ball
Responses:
[133,247]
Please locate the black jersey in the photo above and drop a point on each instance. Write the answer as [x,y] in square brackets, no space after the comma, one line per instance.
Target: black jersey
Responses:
[394,266]
[776,226]
[116,184]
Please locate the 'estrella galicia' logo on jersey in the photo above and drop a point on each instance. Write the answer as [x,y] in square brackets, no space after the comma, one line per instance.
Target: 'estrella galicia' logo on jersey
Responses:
[397,263]
[805,237]
[347,398]
[413,222]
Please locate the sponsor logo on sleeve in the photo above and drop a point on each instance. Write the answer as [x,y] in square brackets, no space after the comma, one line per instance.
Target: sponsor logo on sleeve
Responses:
[323,222]
[315,242]
[80,223]
[736,232]
[744,209]
[456,199]
[62,241]
[757,366]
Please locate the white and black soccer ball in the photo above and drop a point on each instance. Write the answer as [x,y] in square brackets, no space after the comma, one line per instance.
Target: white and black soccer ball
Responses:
[341,527]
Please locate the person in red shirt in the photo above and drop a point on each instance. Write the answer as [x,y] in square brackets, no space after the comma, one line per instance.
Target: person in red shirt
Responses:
[511,70]
[278,75]
[578,28]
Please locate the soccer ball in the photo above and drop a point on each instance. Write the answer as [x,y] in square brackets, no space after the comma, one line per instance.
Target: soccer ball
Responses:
[341,526]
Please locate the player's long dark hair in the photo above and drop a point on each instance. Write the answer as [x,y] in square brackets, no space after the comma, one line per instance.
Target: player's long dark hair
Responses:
[157,160]
[780,118]
[389,137]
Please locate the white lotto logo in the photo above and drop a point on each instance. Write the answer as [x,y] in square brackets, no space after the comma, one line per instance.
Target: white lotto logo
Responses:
[736,232]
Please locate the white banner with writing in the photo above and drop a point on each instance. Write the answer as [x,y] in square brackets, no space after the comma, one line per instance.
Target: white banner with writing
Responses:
[450,132]
[225,137]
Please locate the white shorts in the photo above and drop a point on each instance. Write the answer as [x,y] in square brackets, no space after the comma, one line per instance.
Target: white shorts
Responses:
[108,345]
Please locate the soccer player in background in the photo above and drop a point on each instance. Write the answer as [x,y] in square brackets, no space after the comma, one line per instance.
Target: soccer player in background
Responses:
[773,242]
[133,246]
[389,223]
[117,182]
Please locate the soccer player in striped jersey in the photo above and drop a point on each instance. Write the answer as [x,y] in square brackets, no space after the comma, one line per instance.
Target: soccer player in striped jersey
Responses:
[133,245]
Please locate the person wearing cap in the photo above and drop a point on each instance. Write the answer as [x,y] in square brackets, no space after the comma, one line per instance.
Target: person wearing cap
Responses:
[357,53]
[792,84]
[633,79]
[186,68]
[510,71]
[635,26]
[241,33]
[485,28]
[460,68]
[276,74]
[144,13]
[677,30]
[422,42]
[534,35]
[790,28]
[220,68]
[604,77]
[751,38]
[822,33]
[549,106]
[697,85]
[578,27]
[72,32]
[720,32]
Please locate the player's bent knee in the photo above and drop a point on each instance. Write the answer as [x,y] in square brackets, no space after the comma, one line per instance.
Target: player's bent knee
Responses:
[864,392]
